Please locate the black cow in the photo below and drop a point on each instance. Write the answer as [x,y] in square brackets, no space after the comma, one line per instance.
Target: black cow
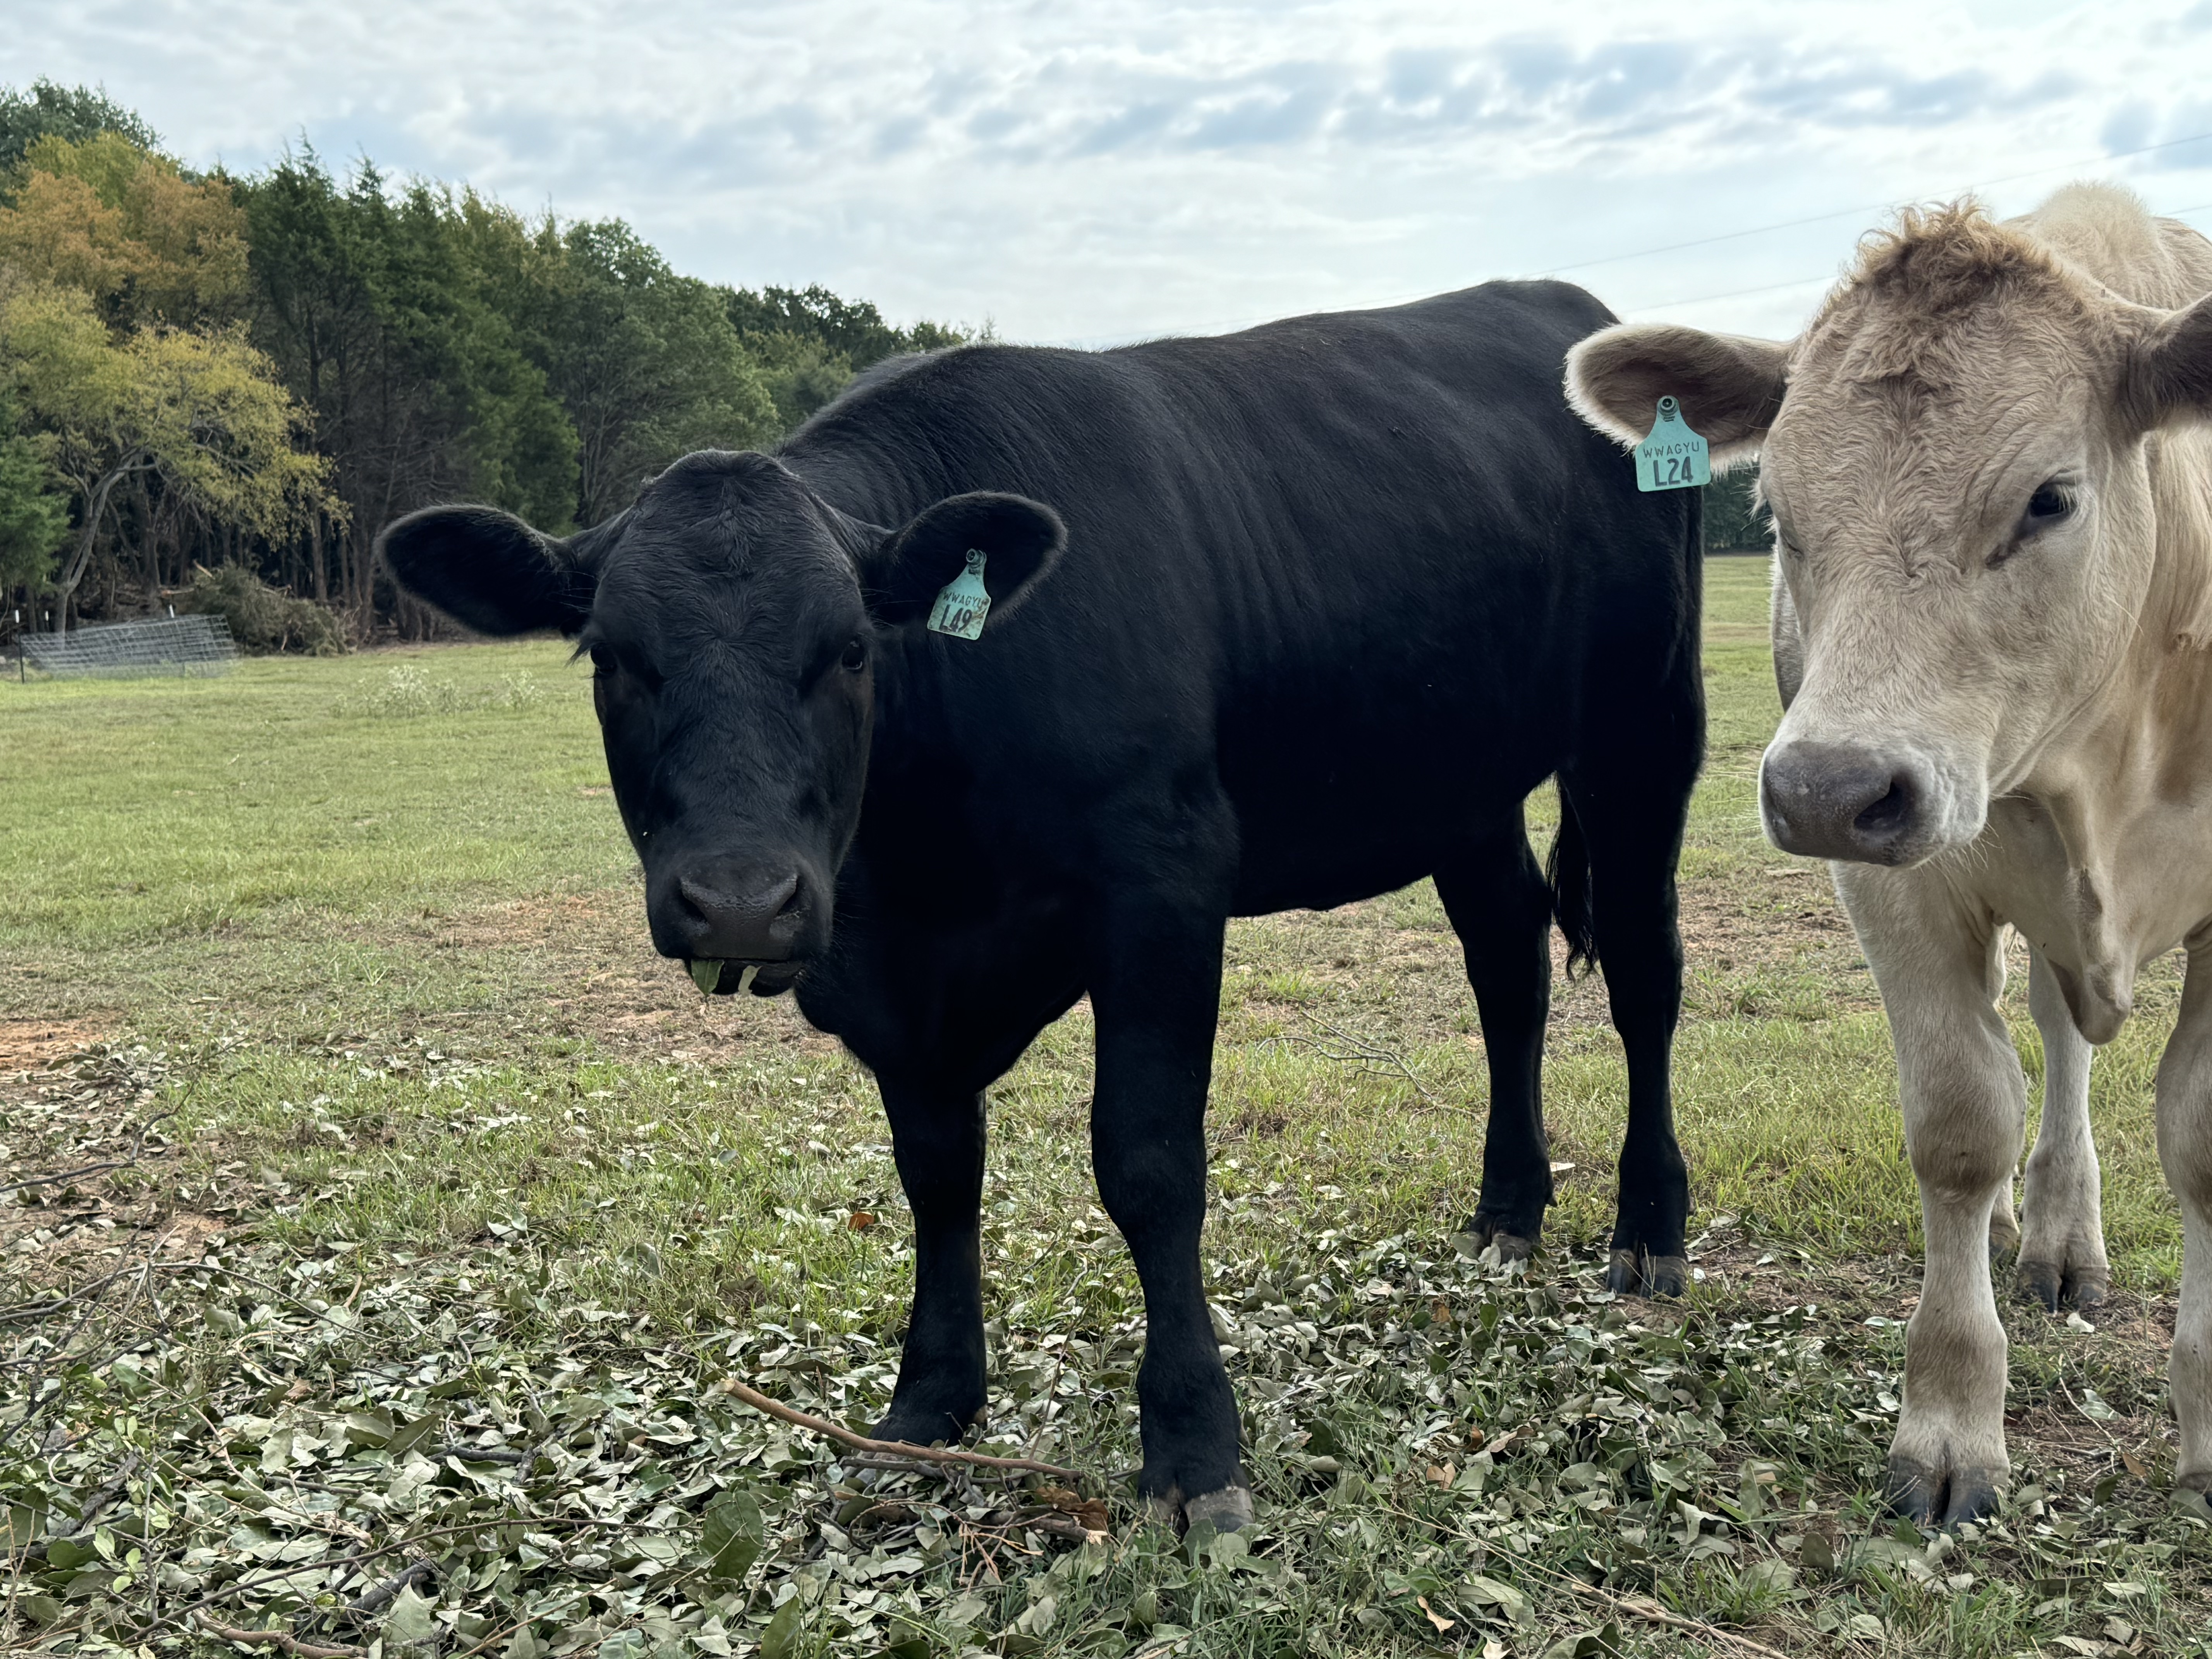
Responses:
[1282,619]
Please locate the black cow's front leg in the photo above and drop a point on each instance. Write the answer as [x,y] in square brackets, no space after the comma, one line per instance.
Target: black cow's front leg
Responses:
[936,1136]
[1501,908]
[1157,992]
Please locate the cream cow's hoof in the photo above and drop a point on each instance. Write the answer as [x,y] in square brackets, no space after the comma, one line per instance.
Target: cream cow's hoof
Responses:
[1942,1495]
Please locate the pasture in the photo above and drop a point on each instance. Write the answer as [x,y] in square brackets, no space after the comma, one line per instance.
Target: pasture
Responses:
[457,1205]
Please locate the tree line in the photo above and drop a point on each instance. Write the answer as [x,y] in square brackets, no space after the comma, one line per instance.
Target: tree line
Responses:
[202,371]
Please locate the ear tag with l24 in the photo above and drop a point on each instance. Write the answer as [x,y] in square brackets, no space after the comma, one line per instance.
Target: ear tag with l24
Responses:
[962,603]
[1673,457]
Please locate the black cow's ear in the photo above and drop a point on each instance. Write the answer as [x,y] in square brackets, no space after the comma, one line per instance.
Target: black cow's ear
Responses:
[487,570]
[1019,538]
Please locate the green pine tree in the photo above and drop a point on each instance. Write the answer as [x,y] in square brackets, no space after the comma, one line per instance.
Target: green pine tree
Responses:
[1735,520]
[35,520]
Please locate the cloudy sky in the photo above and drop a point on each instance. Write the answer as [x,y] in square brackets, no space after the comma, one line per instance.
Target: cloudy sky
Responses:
[1089,171]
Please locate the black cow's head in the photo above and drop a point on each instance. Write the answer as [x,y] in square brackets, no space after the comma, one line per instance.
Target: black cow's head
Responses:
[735,623]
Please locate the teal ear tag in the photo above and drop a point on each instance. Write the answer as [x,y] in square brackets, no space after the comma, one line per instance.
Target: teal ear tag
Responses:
[1673,457]
[962,603]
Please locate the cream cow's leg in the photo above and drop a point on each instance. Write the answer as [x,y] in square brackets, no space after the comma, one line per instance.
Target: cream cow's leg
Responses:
[2061,1246]
[2184,1147]
[1965,1099]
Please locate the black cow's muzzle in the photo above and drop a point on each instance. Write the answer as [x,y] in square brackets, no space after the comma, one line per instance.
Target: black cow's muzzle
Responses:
[762,914]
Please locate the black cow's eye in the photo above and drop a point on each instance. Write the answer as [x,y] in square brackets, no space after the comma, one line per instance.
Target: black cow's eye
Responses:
[2052,503]
[603,661]
[856,655]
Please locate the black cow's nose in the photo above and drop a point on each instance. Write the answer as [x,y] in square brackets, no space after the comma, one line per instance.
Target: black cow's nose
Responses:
[1832,800]
[741,913]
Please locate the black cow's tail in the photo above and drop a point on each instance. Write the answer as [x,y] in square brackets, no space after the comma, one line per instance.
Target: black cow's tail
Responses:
[1568,871]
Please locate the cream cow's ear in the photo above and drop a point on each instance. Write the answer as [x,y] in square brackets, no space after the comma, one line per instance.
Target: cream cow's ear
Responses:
[2170,371]
[1729,386]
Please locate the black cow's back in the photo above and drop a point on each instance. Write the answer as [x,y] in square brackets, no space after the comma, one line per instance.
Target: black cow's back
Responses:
[1367,569]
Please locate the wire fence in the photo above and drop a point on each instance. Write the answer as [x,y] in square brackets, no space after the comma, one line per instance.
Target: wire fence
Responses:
[193,646]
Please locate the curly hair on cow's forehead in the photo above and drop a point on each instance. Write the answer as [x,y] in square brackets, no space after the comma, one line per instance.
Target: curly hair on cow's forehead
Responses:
[1942,258]
[1897,313]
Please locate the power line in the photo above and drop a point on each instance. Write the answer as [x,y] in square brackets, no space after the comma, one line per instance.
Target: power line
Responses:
[1736,293]
[1802,282]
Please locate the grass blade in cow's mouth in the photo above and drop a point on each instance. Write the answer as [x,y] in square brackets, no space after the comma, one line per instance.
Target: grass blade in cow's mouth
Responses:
[708,974]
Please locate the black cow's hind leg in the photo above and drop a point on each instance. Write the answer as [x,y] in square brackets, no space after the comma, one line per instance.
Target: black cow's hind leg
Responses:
[1633,826]
[1157,992]
[936,1136]
[1501,908]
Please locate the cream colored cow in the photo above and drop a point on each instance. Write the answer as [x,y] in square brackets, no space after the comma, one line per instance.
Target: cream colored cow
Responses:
[1990,462]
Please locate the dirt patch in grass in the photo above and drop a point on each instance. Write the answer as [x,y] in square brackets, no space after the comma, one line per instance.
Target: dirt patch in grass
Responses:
[533,920]
[32,1045]
[1771,915]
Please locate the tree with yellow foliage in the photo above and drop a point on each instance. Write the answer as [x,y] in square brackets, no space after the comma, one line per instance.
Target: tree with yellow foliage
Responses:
[202,410]
[126,226]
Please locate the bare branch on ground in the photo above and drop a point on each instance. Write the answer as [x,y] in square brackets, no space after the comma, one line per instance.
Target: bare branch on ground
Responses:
[284,1639]
[776,1408]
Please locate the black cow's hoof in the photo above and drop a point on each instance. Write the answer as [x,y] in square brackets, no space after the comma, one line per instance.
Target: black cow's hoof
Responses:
[1512,1247]
[1624,1275]
[2054,1285]
[919,1425]
[1630,1273]
[1516,1240]
[1666,1275]
[1229,1509]
[1940,1498]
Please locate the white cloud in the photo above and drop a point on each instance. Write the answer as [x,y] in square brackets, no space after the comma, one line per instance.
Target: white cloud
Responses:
[1102,171]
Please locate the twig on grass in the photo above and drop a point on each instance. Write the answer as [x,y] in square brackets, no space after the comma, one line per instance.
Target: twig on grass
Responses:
[94,1506]
[1055,1524]
[497,1636]
[138,1148]
[986,1561]
[376,1600]
[36,1407]
[776,1408]
[1368,1055]
[338,1325]
[46,1309]
[1653,1612]
[1644,1608]
[284,1639]
[438,1453]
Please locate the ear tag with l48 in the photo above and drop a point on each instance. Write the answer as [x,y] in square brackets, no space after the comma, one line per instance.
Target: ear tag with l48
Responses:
[962,603]
[1673,457]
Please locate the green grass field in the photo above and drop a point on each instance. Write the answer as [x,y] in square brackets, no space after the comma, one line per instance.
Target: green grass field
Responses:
[464,1203]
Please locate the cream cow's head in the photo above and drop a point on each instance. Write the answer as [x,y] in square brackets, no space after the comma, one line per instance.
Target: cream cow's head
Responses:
[1954,452]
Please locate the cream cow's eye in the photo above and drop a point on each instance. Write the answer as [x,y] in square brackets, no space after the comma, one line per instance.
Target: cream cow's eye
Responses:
[2052,503]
